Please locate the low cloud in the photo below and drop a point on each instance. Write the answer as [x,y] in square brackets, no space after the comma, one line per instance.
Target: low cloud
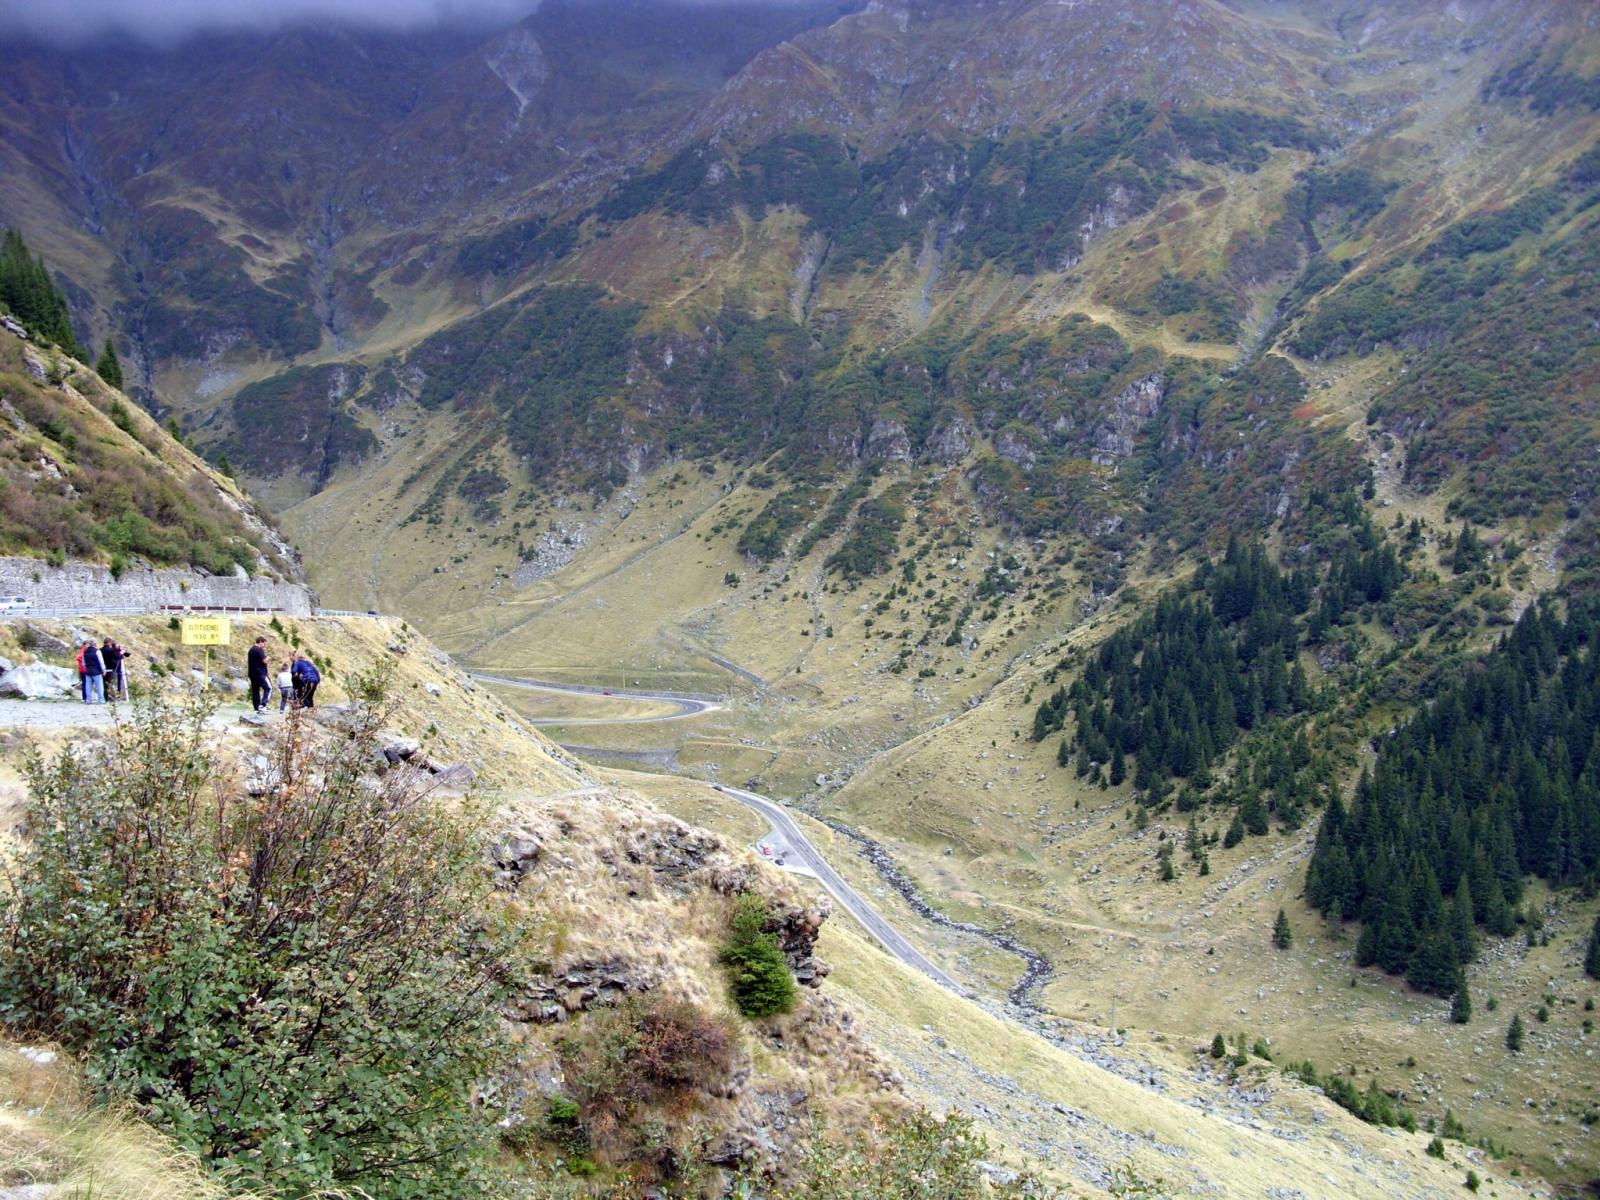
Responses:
[167,21]
[171,20]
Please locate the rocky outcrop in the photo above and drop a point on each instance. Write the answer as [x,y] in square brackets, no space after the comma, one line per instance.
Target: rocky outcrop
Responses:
[1129,413]
[952,441]
[1017,444]
[37,681]
[551,997]
[888,441]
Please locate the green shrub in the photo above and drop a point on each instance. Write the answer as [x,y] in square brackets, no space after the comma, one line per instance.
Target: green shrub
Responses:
[298,985]
[758,975]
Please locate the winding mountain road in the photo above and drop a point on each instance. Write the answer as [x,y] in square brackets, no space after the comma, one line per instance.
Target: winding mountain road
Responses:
[686,704]
[846,896]
[789,831]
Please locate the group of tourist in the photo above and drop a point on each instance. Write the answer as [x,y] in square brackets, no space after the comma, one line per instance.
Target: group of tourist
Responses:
[297,679]
[101,678]
[100,675]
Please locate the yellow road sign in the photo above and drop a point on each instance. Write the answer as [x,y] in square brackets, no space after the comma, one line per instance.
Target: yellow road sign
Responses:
[206,631]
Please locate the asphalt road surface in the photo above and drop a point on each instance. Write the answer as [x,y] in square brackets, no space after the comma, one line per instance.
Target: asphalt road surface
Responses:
[684,706]
[846,896]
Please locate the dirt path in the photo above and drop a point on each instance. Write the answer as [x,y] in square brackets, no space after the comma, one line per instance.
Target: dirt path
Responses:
[71,714]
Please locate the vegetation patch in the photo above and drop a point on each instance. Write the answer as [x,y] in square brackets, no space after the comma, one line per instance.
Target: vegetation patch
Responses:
[1497,780]
[297,983]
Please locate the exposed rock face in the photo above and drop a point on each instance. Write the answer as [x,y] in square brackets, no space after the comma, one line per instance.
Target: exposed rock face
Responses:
[1015,446]
[797,930]
[514,858]
[552,997]
[1129,413]
[951,442]
[37,681]
[887,440]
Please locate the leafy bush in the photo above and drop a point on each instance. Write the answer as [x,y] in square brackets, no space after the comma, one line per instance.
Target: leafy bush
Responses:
[297,983]
[758,975]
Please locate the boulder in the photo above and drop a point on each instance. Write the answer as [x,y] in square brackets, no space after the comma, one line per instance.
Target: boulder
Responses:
[397,749]
[44,644]
[36,681]
[514,858]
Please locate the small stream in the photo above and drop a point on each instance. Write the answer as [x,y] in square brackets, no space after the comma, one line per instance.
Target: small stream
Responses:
[1024,993]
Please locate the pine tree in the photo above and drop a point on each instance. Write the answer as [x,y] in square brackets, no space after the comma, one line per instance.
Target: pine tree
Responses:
[1235,833]
[1591,961]
[27,290]
[1219,1048]
[1282,935]
[1253,813]
[1514,1033]
[758,974]
[1041,723]
[1433,966]
[1164,861]
[1461,1005]
[108,367]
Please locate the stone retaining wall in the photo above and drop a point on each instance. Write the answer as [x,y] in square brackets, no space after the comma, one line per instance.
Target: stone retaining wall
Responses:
[86,588]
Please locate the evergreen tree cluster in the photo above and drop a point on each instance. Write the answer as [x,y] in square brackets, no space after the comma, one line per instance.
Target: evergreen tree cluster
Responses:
[1374,1105]
[28,292]
[1174,690]
[1498,780]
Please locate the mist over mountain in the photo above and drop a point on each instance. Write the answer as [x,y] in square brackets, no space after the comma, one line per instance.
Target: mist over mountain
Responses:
[172,21]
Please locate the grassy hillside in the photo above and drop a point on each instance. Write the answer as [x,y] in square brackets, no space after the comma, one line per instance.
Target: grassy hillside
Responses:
[85,473]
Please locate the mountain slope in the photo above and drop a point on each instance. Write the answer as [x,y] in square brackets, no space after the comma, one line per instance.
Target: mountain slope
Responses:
[85,473]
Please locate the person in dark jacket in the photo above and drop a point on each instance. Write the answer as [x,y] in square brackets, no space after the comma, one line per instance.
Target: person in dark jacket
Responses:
[111,658]
[260,675]
[306,677]
[94,674]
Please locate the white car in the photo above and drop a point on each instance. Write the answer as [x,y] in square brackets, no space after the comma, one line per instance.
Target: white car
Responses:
[14,604]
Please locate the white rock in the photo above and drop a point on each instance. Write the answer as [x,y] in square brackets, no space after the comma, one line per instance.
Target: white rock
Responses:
[38,681]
